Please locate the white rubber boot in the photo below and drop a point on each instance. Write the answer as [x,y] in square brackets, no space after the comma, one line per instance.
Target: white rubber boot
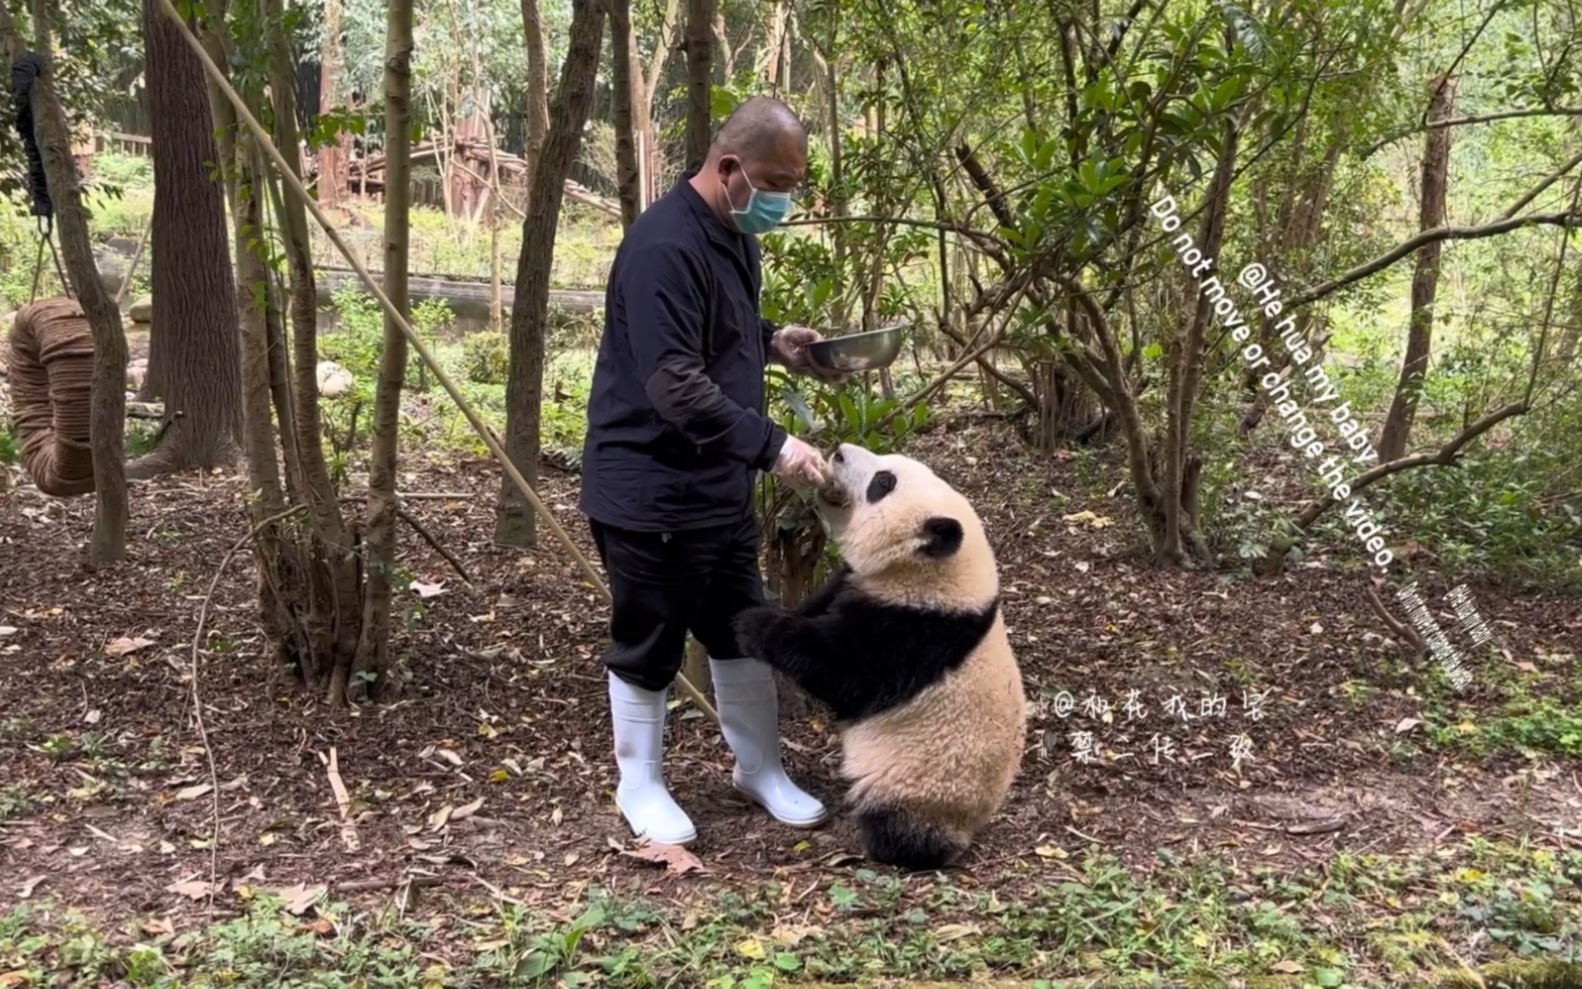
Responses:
[638,719]
[744,693]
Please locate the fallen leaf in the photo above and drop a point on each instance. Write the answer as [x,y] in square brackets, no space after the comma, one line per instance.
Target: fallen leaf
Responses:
[437,819]
[1287,967]
[751,948]
[792,935]
[1406,724]
[951,932]
[193,792]
[123,646]
[28,887]
[299,897]
[676,860]
[193,889]
[466,810]
[8,630]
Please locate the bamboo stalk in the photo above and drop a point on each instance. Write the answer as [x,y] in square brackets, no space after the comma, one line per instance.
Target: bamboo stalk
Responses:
[483,431]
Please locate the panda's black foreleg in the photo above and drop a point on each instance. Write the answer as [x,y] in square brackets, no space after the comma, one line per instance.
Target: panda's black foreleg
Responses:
[795,646]
[897,837]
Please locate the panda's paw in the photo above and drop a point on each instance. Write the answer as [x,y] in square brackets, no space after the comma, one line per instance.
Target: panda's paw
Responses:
[756,628]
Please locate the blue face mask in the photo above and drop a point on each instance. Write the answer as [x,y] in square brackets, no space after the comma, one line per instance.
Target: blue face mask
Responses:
[764,209]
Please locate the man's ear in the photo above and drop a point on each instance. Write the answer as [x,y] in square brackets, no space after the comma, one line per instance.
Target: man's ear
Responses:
[941,537]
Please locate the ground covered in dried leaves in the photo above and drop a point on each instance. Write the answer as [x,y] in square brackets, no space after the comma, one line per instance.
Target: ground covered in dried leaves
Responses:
[1228,780]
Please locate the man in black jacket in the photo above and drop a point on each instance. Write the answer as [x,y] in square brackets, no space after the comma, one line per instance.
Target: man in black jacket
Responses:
[676,435]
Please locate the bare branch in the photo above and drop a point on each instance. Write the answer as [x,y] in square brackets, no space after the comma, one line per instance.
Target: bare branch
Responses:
[1446,456]
[1485,118]
[1401,250]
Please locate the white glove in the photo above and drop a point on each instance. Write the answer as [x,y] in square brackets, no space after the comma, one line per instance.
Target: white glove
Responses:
[800,463]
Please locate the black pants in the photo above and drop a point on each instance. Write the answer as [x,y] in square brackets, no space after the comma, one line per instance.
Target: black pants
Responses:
[667,584]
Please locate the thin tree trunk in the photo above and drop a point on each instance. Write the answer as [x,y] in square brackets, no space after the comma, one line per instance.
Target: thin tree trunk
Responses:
[623,61]
[648,86]
[537,85]
[515,523]
[373,651]
[1425,279]
[336,611]
[496,194]
[252,271]
[700,80]
[195,348]
[107,425]
[1182,471]
[333,157]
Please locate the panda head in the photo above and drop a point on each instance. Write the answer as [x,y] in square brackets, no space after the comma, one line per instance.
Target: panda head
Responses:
[906,534]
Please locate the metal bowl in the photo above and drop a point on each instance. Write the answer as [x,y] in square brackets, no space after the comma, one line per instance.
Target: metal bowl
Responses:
[859,351]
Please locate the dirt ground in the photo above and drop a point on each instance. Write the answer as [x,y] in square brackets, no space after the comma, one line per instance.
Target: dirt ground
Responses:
[494,772]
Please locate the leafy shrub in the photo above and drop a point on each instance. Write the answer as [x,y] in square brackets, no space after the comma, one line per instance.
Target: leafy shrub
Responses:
[486,357]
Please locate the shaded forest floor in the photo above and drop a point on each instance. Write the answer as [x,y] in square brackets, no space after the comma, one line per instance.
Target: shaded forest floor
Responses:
[1381,827]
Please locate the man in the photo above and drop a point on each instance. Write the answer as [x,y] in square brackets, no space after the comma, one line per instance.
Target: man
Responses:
[676,435]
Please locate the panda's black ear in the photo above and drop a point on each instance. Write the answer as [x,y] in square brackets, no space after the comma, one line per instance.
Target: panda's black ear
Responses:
[941,537]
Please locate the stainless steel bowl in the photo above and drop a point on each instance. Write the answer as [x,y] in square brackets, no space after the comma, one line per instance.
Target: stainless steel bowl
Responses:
[858,351]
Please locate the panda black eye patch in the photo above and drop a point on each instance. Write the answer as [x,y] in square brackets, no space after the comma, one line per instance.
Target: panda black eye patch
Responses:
[882,484]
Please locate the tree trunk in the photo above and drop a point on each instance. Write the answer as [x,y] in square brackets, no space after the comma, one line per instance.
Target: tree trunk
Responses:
[333,157]
[1178,535]
[537,85]
[194,346]
[623,59]
[373,651]
[331,585]
[107,426]
[515,524]
[700,80]
[1425,279]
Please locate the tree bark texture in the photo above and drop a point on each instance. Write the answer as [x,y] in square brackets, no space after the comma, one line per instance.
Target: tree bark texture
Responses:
[373,651]
[1425,277]
[107,426]
[195,346]
[333,157]
[700,80]
[623,59]
[515,523]
[1182,468]
[327,577]
[537,84]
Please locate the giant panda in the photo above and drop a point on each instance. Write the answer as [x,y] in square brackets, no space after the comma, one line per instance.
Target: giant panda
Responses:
[907,645]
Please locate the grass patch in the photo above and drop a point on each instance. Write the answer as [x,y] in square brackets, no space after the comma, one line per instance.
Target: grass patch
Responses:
[1533,711]
[1362,921]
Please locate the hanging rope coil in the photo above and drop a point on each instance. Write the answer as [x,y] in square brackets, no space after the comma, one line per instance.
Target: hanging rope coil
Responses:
[51,391]
[24,71]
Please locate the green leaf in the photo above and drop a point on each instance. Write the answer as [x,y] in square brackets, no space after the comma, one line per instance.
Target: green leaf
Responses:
[1328,977]
[535,965]
[787,962]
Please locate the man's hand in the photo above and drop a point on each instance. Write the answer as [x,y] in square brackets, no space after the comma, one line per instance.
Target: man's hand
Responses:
[800,464]
[790,345]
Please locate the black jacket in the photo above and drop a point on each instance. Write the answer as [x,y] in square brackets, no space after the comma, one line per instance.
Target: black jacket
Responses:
[675,423]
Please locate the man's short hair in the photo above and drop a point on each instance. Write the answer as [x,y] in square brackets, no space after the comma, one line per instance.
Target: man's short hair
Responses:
[755,129]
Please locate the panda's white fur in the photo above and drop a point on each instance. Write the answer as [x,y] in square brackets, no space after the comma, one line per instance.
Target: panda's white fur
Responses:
[907,644]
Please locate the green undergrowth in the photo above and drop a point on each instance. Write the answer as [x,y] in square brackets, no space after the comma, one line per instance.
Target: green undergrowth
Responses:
[478,362]
[1533,709]
[1360,920]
